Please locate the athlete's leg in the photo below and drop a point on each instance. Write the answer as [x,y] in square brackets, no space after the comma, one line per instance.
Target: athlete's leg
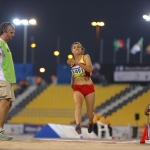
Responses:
[78,98]
[90,99]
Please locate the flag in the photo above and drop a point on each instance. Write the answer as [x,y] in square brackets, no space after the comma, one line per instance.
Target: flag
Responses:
[137,47]
[146,135]
[118,44]
[148,49]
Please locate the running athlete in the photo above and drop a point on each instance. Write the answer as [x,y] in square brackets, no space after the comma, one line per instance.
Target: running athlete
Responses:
[7,75]
[82,85]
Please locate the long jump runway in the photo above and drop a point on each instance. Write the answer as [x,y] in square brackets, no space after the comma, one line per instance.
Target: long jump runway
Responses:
[71,144]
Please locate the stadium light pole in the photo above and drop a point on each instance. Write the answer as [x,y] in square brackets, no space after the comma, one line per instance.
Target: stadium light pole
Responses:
[25,23]
[57,53]
[33,45]
[98,25]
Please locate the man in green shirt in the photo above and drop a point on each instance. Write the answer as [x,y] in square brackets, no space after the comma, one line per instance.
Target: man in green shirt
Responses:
[7,76]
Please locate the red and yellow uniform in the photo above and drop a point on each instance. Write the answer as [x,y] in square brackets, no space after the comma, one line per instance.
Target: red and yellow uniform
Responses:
[77,71]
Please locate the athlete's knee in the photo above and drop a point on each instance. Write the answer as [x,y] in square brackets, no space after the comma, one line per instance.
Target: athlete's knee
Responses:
[78,106]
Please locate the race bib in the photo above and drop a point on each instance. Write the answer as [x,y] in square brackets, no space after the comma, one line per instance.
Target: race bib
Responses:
[78,71]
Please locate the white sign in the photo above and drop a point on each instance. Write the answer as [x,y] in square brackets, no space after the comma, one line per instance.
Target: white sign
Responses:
[14,128]
[132,76]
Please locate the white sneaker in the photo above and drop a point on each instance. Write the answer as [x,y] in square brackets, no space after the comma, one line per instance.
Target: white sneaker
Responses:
[147,141]
[4,136]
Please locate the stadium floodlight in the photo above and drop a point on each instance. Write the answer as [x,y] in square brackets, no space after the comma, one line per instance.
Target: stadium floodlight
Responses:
[32,22]
[146,17]
[25,23]
[16,21]
[97,23]
[56,53]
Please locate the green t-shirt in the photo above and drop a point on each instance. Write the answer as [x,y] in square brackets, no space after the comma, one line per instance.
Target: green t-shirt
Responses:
[7,63]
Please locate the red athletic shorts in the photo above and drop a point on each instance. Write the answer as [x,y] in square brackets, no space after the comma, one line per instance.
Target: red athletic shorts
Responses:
[84,89]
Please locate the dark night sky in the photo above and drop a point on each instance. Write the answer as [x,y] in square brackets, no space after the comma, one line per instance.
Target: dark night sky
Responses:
[71,21]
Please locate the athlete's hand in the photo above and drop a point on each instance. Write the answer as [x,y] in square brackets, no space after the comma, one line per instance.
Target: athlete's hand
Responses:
[72,61]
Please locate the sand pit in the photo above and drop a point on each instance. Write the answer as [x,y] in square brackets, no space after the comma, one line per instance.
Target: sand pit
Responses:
[59,144]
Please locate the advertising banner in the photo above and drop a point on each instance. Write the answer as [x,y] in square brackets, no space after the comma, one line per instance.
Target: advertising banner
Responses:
[132,74]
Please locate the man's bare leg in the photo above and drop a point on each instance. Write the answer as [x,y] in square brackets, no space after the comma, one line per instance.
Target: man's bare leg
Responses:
[4,109]
[5,106]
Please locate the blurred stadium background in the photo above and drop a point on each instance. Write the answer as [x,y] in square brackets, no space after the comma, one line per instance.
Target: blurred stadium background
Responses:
[121,91]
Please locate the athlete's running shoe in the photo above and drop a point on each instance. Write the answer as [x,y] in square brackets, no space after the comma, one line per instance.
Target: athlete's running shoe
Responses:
[4,136]
[78,129]
[90,128]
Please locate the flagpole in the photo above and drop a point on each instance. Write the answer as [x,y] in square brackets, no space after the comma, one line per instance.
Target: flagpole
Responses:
[114,58]
[101,50]
[141,52]
[128,49]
